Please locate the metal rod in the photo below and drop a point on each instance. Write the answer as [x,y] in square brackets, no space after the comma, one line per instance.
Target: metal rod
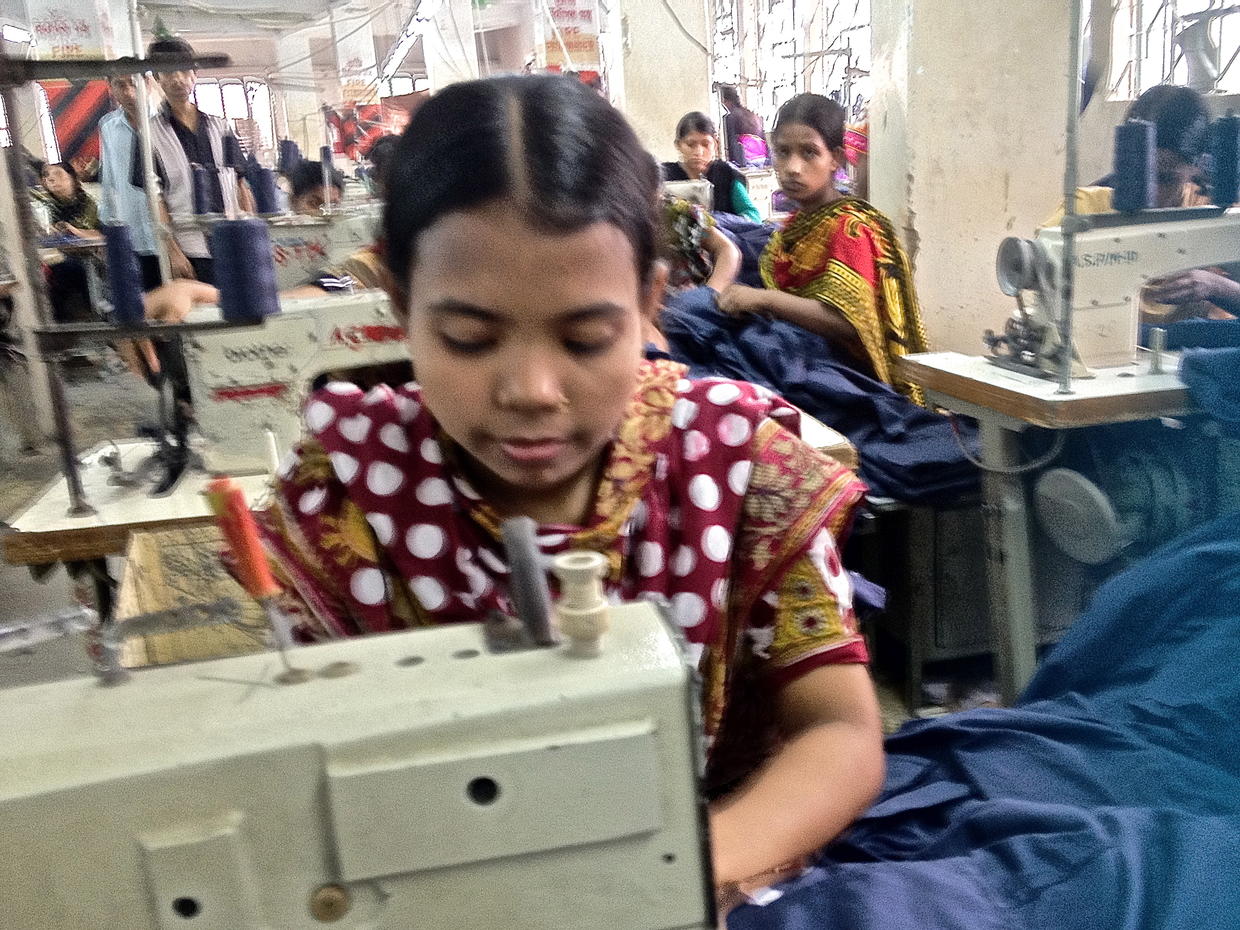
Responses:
[162,233]
[326,165]
[1069,224]
[34,275]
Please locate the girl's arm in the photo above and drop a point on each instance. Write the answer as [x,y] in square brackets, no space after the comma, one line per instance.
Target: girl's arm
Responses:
[811,315]
[827,773]
[744,203]
[725,260]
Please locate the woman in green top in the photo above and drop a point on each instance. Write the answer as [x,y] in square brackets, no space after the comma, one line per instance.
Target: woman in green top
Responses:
[697,141]
[73,212]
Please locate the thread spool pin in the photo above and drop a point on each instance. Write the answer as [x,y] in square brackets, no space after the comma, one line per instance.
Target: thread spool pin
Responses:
[582,609]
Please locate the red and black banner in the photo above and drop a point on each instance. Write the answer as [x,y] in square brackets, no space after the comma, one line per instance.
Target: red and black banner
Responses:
[76,109]
[357,127]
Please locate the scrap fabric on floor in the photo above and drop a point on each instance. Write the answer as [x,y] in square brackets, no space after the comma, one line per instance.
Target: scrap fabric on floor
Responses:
[907,452]
[1109,797]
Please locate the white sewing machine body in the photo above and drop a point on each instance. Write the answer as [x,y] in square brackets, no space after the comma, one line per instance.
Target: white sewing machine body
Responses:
[249,381]
[436,785]
[303,246]
[1115,258]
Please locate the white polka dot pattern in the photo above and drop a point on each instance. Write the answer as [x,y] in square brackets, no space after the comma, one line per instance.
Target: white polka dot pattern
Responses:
[684,562]
[738,476]
[429,592]
[717,543]
[356,428]
[368,586]
[385,529]
[425,541]
[319,416]
[734,430]
[383,479]
[393,436]
[431,452]
[684,412]
[688,608]
[723,394]
[312,501]
[704,492]
[433,492]
[649,559]
[697,446]
[345,466]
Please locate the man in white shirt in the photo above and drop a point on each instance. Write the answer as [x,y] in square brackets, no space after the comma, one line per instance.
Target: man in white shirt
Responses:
[184,138]
[122,202]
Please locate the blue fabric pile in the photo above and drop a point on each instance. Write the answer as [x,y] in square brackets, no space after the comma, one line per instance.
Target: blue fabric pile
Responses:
[1108,798]
[1213,378]
[907,452]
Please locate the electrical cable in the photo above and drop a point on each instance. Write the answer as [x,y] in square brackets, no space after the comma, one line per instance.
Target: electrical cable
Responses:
[685,32]
[1056,448]
[369,19]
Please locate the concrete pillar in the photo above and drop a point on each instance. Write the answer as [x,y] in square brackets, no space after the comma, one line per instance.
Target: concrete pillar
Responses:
[666,74]
[37,403]
[449,45]
[966,148]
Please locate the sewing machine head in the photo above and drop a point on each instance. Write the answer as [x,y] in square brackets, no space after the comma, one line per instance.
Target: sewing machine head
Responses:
[249,384]
[416,780]
[1116,256]
[700,192]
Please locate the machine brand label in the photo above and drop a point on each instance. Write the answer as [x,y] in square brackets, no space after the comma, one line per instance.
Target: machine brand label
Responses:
[258,352]
[301,250]
[354,337]
[250,392]
[1106,259]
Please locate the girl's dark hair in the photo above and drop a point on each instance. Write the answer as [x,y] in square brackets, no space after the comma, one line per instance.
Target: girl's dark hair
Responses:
[821,114]
[381,153]
[66,168]
[551,145]
[308,176]
[695,122]
[1180,116]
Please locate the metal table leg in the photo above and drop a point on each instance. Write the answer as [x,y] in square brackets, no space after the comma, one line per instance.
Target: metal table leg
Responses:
[1009,569]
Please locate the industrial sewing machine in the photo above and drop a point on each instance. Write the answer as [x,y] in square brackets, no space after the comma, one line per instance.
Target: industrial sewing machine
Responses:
[249,384]
[1116,256]
[302,246]
[414,779]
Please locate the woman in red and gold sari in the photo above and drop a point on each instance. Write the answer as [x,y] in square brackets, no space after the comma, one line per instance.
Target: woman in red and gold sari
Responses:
[836,268]
[533,400]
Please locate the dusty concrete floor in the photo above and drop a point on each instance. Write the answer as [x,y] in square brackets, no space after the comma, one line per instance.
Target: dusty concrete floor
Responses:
[105,405]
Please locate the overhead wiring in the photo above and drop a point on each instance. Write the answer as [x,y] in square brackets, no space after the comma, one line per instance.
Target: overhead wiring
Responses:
[685,32]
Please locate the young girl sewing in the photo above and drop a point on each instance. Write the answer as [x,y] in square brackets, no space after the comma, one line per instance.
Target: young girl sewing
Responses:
[697,141]
[836,268]
[521,238]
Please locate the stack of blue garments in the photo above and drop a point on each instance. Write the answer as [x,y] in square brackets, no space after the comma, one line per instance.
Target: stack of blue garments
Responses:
[907,452]
[1109,797]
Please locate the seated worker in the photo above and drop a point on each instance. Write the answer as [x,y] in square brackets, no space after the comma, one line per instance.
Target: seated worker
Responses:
[697,255]
[533,399]
[1182,131]
[698,144]
[307,195]
[73,212]
[836,268]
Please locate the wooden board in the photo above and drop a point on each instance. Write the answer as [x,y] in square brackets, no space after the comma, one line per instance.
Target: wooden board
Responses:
[173,568]
[1115,395]
[44,533]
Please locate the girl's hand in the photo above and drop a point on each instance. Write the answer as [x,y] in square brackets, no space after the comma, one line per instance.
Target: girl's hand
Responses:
[737,300]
